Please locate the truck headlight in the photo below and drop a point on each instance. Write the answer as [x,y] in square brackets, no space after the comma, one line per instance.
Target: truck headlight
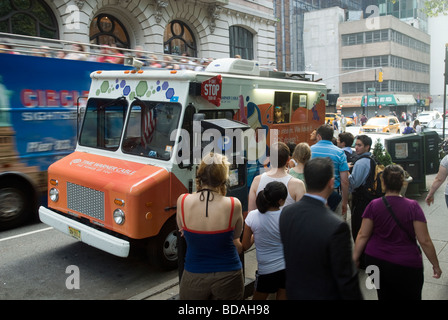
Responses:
[54,194]
[119,216]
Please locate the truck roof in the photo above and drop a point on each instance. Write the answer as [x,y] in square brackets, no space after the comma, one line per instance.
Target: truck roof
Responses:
[228,67]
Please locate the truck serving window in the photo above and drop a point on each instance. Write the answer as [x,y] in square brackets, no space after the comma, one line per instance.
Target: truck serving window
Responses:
[103,123]
[149,128]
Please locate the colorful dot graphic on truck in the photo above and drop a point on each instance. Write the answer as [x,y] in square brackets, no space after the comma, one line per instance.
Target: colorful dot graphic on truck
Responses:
[141,89]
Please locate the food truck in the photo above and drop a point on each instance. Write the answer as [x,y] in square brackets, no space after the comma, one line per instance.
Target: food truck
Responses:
[143,135]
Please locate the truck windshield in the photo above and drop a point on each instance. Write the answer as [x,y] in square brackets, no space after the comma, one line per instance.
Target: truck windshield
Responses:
[149,128]
[103,123]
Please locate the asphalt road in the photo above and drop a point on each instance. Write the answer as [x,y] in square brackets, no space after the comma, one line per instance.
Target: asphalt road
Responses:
[38,262]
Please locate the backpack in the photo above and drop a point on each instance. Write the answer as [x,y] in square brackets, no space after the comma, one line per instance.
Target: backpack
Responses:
[351,157]
[374,186]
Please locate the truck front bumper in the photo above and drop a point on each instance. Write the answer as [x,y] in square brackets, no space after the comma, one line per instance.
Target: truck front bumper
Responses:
[86,234]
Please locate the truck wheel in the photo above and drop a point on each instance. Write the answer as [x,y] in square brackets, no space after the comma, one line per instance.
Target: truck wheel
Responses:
[14,207]
[162,249]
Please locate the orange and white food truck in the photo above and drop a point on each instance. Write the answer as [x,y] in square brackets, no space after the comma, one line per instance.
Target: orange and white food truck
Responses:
[139,146]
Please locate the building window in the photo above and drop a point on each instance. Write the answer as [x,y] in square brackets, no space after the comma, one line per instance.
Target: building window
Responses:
[241,43]
[385,86]
[178,39]
[27,17]
[106,29]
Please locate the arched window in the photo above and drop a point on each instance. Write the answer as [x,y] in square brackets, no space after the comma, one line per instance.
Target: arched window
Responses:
[106,29]
[28,17]
[241,43]
[178,39]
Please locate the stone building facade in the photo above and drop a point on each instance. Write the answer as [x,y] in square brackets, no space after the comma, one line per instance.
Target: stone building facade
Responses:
[216,29]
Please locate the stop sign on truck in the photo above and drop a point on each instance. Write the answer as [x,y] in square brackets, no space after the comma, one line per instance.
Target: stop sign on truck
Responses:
[211,90]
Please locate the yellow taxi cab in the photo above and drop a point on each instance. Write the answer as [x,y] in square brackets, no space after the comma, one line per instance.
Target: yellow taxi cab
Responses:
[333,116]
[388,124]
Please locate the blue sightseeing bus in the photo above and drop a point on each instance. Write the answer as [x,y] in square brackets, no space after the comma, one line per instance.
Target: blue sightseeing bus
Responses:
[38,121]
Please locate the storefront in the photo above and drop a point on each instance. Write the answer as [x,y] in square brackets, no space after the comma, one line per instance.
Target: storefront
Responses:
[377,104]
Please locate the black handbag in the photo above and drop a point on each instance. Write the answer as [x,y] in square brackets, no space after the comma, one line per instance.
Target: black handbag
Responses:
[386,203]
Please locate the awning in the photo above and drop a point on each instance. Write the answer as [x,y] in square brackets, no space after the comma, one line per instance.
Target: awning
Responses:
[382,99]
[405,100]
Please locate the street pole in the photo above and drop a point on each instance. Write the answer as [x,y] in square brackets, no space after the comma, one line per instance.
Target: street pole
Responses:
[367,104]
[376,103]
[444,92]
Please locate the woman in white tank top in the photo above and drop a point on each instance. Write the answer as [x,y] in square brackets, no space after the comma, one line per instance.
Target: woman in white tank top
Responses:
[265,179]
[278,172]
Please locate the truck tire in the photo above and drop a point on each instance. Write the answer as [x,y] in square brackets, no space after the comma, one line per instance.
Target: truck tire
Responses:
[162,249]
[15,207]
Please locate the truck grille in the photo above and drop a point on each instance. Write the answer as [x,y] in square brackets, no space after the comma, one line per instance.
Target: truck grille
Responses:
[85,200]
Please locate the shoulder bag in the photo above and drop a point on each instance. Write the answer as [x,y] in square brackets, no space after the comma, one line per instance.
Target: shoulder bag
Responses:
[386,203]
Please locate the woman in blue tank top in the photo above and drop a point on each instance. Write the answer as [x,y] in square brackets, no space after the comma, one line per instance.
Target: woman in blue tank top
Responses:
[211,224]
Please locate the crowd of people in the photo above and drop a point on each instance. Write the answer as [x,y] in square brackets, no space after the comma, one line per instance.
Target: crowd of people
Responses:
[340,123]
[113,54]
[305,248]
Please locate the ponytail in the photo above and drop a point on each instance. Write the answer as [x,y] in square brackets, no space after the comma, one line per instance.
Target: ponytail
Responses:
[270,196]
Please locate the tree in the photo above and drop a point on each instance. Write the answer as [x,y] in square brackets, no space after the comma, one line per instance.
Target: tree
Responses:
[434,7]
[380,154]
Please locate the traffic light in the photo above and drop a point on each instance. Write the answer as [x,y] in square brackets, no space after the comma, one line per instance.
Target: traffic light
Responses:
[380,76]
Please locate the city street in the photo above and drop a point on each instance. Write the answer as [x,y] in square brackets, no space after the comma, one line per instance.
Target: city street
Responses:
[35,260]
[382,136]
[39,262]
[123,101]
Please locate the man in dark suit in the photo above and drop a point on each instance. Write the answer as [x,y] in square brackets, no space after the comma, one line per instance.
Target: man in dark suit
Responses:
[317,243]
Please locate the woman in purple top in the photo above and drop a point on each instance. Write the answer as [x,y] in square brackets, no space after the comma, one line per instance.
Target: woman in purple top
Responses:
[393,248]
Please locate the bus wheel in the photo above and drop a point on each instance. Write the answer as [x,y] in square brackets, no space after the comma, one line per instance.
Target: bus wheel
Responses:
[14,210]
[162,249]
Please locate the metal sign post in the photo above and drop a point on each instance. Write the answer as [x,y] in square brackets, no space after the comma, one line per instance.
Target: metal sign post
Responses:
[444,92]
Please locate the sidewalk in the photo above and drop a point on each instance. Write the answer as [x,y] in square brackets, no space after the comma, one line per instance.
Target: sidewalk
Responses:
[433,289]
[437,218]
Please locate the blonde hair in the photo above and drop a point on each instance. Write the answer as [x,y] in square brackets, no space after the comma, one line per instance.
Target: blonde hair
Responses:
[213,172]
[302,153]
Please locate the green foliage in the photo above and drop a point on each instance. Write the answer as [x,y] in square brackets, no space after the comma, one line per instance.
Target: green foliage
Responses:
[382,157]
[380,154]
[434,7]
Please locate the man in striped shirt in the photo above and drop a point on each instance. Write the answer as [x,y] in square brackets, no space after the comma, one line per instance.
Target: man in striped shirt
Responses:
[325,148]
